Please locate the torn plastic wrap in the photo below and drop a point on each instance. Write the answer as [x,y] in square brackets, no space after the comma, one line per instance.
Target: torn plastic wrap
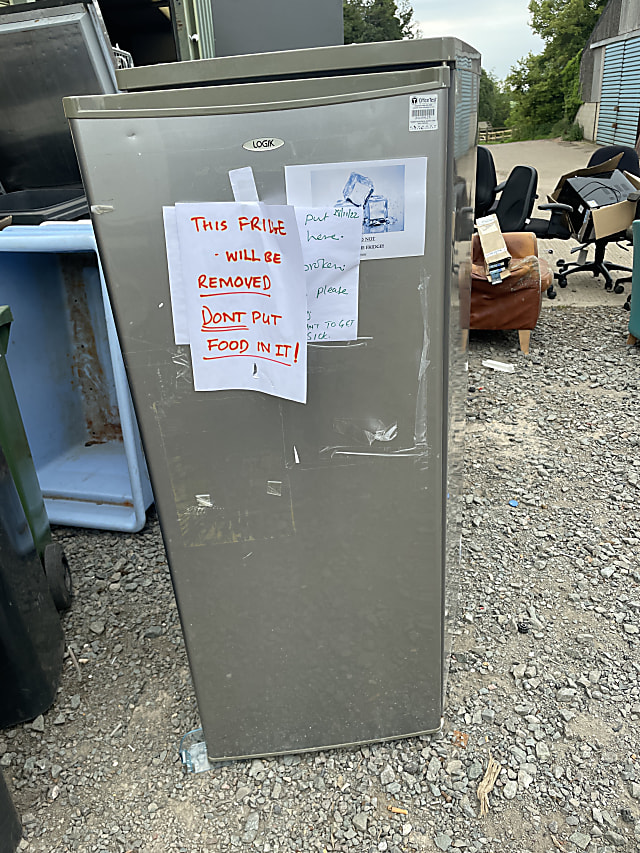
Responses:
[420,436]
[524,273]
[193,752]
[376,435]
[365,430]
[362,432]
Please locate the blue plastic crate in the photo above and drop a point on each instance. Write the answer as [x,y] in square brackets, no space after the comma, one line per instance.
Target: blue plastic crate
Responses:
[69,376]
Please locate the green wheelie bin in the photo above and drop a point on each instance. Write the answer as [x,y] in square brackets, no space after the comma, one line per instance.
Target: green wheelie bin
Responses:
[13,440]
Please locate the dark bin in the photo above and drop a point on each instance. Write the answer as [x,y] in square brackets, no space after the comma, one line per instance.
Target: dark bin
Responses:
[10,827]
[15,445]
[31,638]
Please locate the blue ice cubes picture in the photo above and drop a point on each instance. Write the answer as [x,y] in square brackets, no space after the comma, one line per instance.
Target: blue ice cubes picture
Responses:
[376,214]
[357,189]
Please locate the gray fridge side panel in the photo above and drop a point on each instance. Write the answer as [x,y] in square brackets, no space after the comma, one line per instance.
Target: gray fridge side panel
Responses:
[463,132]
[312,617]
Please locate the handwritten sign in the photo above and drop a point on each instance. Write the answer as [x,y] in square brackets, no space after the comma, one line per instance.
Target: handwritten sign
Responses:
[243,278]
[330,239]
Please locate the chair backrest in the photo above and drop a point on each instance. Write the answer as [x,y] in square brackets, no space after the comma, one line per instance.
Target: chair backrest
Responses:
[485,182]
[628,163]
[517,198]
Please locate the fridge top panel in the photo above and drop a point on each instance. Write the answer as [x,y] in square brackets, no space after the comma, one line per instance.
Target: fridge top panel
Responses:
[281,95]
[292,64]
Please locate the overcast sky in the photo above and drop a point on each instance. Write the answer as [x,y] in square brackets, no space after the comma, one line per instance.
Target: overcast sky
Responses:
[499,29]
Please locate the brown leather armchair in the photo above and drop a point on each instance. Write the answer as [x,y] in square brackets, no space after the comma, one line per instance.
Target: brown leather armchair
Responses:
[514,303]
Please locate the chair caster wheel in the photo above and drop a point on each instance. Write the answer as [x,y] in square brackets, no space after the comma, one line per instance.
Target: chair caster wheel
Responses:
[561,263]
[627,306]
[551,294]
[618,288]
[562,281]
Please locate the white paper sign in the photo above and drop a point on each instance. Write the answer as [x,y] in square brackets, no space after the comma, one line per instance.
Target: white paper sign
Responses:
[243,184]
[245,293]
[392,195]
[174,264]
[330,239]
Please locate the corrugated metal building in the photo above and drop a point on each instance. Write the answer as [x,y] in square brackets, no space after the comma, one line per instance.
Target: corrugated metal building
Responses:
[610,76]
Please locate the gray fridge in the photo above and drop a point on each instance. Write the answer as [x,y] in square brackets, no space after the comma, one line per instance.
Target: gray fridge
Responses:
[311,545]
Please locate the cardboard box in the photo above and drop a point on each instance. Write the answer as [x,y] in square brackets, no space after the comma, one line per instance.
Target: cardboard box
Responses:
[595,223]
[494,249]
[615,218]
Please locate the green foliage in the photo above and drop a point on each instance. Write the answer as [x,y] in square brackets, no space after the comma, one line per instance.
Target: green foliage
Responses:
[495,101]
[571,86]
[378,20]
[546,86]
[573,133]
[567,24]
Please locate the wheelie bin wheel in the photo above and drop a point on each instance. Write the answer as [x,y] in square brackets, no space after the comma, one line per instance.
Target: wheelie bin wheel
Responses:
[56,569]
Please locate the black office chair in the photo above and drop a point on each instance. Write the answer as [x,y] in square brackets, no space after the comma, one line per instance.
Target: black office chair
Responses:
[487,186]
[517,198]
[516,195]
[556,228]
[628,162]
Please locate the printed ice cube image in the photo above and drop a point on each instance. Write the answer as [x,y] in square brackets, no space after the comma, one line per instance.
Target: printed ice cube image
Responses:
[357,189]
[378,190]
[376,214]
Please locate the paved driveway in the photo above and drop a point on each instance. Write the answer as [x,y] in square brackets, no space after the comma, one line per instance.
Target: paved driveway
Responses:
[552,159]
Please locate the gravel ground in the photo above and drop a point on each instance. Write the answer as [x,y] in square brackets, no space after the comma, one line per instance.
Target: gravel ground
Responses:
[543,679]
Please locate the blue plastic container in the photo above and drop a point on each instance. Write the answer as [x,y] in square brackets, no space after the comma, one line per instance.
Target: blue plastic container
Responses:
[69,377]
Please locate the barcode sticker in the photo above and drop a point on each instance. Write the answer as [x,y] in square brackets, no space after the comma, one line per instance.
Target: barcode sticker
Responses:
[423,112]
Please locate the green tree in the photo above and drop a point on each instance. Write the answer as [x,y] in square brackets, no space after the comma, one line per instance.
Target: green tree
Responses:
[546,86]
[495,100]
[378,20]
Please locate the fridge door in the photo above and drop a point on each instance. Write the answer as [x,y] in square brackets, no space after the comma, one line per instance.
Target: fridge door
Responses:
[310,582]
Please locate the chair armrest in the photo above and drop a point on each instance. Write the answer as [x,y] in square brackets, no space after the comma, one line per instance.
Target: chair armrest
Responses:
[499,187]
[556,207]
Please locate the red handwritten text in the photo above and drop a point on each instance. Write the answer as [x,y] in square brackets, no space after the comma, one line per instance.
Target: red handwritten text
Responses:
[257,223]
[203,224]
[243,283]
[244,255]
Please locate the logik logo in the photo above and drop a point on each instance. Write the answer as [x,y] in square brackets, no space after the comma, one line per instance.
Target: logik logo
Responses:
[265,144]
